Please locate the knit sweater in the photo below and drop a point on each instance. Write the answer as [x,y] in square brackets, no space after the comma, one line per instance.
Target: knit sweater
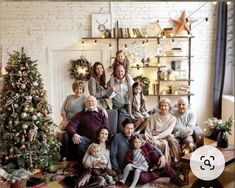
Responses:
[87,123]
[159,127]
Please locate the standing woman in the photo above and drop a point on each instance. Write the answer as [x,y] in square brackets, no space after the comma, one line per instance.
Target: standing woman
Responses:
[73,103]
[97,85]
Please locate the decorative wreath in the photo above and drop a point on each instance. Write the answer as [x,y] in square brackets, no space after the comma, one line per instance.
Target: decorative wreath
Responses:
[80,69]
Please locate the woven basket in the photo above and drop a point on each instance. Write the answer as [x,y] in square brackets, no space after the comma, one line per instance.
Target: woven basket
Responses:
[19,184]
[5,184]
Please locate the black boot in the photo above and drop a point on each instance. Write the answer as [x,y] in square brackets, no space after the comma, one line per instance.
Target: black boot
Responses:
[177,181]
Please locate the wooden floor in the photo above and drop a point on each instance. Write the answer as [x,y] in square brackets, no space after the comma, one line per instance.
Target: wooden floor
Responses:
[227,179]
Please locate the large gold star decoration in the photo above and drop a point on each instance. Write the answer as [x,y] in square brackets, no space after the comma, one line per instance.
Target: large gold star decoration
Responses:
[183,23]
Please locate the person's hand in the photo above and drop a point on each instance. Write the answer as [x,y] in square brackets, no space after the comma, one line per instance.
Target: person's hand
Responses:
[63,124]
[176,134]
[113,88]
[76,138]
[104,113]
[162,162]
[132,117]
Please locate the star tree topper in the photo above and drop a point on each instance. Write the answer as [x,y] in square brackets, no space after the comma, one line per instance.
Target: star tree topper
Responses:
[183,24]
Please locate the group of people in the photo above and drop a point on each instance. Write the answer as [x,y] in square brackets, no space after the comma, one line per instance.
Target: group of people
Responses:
[148,154]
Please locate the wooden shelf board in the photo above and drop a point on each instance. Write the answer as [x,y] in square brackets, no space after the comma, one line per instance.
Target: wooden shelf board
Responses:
[190,94]
[138,37]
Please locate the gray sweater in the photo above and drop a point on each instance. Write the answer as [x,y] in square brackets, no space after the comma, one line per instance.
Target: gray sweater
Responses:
[185,123]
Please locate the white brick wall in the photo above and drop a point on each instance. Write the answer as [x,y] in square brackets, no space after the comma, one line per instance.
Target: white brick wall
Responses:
[42,26]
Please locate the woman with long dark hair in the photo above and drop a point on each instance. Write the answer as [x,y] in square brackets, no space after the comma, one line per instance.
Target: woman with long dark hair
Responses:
[97,85]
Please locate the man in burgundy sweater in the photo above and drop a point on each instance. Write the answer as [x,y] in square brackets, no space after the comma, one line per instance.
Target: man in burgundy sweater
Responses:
[84,126]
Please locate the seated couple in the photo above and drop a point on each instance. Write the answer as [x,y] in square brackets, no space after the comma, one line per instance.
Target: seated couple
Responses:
[84,128]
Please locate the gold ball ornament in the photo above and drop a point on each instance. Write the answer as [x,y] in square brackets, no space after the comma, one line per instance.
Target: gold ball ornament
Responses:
[31,109]
[23,115]
[34,117]
[25,109]
[39,114]
[23,86]
[35,83]
[16,105]
[25,126]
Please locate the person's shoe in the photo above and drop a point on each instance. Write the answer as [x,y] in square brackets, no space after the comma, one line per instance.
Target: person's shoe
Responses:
[121,182]
[177,181]
[110,180]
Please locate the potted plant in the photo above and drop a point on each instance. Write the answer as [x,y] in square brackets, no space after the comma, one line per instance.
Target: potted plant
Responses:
[221,128]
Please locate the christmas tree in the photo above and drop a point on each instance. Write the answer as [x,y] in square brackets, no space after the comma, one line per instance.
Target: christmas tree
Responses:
[27,133]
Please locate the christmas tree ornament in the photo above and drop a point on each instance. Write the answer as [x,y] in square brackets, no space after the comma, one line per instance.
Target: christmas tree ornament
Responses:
[25,109]
[23,115]
[31,109]
[34,117]
[35,83]
[39,114]
[11,150]
[25,126]
[23,86]
[9,108]
[16,105]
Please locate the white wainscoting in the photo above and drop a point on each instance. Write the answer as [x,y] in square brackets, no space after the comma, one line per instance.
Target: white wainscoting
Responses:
[60,81]
[228,110]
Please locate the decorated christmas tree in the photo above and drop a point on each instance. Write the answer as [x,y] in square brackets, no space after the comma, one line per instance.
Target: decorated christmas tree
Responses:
[27,133]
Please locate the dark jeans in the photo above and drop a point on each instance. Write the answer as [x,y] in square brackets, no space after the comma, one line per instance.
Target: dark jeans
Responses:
[82,147]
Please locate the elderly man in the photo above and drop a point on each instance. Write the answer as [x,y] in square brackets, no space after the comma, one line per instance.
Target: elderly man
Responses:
[185,128]
[84,126]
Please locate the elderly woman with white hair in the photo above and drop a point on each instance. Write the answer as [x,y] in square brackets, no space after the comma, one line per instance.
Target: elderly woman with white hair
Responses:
[159,128]
[185,128]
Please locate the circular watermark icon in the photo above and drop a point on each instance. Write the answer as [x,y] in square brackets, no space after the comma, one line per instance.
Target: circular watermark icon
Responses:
[207,163]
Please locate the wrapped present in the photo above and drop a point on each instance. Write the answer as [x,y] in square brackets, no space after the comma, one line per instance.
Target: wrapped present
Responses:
[20,184]
[5,184]
[3,174]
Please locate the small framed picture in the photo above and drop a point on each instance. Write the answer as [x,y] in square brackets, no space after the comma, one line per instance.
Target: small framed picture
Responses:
[101,25]
[176,65]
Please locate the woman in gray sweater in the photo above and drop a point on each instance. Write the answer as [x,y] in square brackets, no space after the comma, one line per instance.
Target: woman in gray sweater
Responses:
[97,85]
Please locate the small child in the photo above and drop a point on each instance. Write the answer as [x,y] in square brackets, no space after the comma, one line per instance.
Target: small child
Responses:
[138,164]
[137,107]
[143,158]
[98,163]
[121,59]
